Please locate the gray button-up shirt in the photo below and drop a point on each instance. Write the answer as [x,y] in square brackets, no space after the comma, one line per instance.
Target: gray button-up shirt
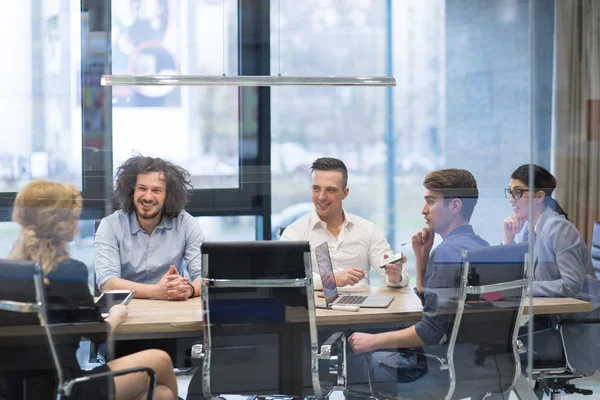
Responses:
[122,249]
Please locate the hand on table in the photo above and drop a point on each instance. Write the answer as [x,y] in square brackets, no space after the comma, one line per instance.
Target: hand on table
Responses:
[172,286]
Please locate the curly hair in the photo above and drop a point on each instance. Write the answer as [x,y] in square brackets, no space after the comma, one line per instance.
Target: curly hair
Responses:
[178,183]
[48,213]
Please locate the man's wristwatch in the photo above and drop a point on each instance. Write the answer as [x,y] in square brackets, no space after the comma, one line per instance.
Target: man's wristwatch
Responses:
[193,290]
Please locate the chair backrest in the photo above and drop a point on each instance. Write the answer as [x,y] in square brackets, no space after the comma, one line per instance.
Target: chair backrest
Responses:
[17,284]
[596,248]
[29,338]
[482,346]
[16,280]
[21,301]
[261,292]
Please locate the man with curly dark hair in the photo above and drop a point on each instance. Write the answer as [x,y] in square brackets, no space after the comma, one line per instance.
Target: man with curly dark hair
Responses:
[143,246]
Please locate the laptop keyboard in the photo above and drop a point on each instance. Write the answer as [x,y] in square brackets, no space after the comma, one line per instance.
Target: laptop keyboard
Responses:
[351,299]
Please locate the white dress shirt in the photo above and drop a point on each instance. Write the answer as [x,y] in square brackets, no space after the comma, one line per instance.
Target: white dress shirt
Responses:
[359,244]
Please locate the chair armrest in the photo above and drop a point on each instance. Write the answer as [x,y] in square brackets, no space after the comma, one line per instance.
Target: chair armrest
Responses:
[197,351]
[18,306]
[67,387]
[443,363]
[325,353]
[337,364]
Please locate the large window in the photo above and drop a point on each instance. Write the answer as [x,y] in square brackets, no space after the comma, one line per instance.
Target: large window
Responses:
[195,127]
[459,103]
[40,102]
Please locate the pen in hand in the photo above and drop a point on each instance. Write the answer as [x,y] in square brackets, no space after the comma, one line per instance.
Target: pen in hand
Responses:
[410,241]
[397,259]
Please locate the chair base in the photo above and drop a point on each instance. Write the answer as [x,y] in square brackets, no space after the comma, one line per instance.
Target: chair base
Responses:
[354,395]
[555,386]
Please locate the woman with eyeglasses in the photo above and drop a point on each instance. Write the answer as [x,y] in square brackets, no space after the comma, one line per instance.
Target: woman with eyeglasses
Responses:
[562,262]
[562,267]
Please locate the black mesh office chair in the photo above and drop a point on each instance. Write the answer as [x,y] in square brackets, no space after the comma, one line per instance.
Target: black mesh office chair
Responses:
[259,315]
[31,323]
[596,248]
[481,354]
[484,334]
[574,340]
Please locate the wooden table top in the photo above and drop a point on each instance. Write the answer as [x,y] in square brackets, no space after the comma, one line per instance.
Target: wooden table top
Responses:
[158,316]
[406,307]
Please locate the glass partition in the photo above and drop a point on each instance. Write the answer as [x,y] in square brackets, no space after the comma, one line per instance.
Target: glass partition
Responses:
[40,97]
[480,166]
[196,127]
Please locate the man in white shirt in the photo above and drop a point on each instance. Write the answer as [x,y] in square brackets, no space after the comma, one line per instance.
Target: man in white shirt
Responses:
[355,244]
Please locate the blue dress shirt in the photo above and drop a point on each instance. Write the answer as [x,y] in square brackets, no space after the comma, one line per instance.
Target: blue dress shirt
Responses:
[443,272]
[122,249]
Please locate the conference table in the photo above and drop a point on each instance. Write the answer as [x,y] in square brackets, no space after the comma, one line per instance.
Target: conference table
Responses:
[165,319]
[162,319]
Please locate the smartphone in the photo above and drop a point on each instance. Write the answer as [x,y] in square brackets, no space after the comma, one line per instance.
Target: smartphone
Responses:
[111,297]
[396,258]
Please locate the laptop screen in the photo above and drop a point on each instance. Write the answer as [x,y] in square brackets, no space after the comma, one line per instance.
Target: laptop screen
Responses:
[326,272]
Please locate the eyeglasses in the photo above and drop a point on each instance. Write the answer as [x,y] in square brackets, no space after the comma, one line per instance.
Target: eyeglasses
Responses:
[515,193]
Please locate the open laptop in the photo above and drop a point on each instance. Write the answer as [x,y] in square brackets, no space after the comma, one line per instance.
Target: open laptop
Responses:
[332,297]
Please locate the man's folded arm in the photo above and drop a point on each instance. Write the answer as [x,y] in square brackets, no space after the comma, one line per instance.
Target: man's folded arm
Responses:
[193,253]
[107,260]
[142,290]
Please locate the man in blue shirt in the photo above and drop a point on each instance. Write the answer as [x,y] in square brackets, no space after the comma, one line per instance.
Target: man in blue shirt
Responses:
[143,246]
[450,198]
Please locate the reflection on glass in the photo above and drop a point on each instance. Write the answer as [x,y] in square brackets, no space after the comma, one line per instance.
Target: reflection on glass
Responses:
[40,102]
[228,229]
[198,127]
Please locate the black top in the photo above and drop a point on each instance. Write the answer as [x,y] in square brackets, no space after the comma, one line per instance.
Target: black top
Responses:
[69,303]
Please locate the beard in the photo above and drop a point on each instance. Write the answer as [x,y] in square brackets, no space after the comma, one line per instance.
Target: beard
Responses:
[145,215]
[149,216]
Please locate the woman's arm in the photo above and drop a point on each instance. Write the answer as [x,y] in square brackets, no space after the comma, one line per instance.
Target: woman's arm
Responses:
[118,315]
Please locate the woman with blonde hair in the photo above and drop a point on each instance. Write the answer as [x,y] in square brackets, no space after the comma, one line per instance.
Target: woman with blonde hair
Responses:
[48,213]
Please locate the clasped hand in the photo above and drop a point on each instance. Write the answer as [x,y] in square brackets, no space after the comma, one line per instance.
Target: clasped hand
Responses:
[173,286]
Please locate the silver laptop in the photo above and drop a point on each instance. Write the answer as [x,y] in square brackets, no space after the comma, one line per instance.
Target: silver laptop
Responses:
[332,297]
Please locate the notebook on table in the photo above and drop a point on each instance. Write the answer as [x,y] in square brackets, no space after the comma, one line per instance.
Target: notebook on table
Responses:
[332,297]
